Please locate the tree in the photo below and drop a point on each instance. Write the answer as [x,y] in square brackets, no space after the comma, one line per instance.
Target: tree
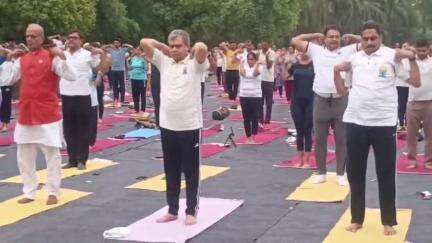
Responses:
[214,21]
[56,16]
[112,22]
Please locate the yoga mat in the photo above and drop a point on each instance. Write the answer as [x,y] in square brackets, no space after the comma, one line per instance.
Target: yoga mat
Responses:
[329,191]
[6,141]
[92,165]
[372,230]
[108,143]
[211,131]
[157,183]
[111,120]
[401,143]
[142,133]
[211,211]
[12,212]
[208,150]
[403,162]
[103,128]
[265,137]
[236,117]
[294,162]
[104,144]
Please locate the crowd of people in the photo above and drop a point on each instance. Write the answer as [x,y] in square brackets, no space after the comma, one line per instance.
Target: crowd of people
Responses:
[350,85]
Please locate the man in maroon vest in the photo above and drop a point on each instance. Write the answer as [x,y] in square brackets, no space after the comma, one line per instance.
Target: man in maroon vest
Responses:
[39,122]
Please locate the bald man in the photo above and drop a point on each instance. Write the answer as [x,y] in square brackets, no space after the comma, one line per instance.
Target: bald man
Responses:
[39,121]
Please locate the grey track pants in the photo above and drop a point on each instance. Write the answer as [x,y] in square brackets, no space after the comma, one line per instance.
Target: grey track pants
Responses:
[329,112]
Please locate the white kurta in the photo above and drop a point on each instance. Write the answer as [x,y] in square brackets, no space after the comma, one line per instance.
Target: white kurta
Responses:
[47,134]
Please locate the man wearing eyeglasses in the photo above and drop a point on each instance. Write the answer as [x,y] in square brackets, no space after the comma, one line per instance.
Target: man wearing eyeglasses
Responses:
[180,116]
[76,100]
[329,106]
[371,118]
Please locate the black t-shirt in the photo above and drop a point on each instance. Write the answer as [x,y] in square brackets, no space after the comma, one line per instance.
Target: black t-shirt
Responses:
[303,75]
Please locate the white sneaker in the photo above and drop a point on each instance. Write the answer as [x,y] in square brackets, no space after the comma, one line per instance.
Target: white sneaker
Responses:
[342,181]
[319,179]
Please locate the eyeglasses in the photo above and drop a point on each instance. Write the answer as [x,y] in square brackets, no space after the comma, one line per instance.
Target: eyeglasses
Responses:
[372,38]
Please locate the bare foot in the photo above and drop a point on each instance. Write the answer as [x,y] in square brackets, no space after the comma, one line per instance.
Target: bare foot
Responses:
[249,140]
[190,220]
[25,200]
[353,227]
[301,155]
[389,230]
[52,200]
[166,218]
[306,165]
[412,165]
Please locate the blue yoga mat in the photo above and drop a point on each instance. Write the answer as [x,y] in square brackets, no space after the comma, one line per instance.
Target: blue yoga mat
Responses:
[142,133]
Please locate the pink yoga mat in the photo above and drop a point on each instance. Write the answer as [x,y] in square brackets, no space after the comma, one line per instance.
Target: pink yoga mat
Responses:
[294,162]
[104,144]
[236,117]
[211,131]
[403,162]
[208,150]
[111,120]
[6,141]
[401,143]
[265,137]
[211,211]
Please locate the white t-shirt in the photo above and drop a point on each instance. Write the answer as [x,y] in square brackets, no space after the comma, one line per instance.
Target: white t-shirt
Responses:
[250,85]
[267,74]
[83,63]
[424,92]
[372,100]
[180,95]
[324,61]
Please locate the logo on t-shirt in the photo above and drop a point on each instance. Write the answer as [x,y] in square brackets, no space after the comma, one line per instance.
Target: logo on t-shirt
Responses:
[385,70]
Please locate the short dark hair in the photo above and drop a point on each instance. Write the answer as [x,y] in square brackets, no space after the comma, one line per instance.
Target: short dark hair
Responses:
[422,42]
[77,31]
[252,54]
[332,27]
[118,39]
[370,24]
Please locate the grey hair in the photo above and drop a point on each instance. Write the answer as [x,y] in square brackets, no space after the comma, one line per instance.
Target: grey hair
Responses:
[180,34]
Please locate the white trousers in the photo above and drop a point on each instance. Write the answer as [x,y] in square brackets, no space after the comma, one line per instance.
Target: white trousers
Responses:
[26,156]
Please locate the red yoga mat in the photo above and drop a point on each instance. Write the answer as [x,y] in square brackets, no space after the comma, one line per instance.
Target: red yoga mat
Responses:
[6,141]
[403,163]
[294,162]
[208,150]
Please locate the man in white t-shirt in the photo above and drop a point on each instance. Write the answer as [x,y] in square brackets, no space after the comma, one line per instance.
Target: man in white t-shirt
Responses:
[180,116]
[371,118]
[76,100]
[420,107]
[267,56]
[329,106]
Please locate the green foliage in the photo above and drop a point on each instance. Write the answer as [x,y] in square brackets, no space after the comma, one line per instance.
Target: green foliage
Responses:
[57,16]
[214,21]
[401,19]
